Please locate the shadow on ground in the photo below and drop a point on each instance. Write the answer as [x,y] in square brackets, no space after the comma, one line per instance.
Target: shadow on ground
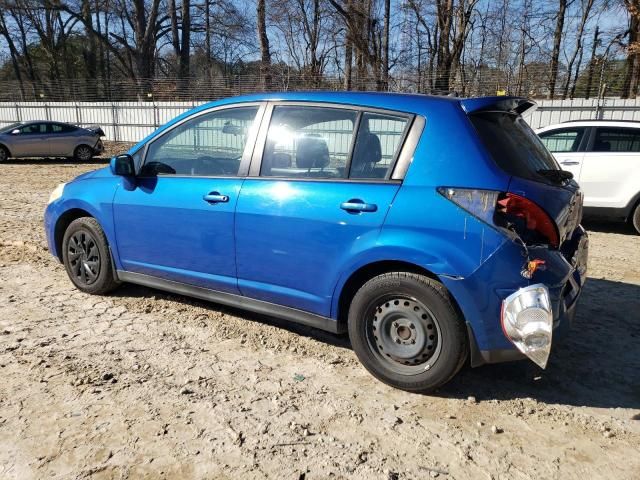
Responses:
[596,225]
[596,365]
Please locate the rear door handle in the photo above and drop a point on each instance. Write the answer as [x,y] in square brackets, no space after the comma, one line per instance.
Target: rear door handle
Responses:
[357,206]
[569,162]
[215,197]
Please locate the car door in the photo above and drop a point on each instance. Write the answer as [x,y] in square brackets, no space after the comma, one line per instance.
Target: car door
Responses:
[567,146]
[177,223]
[30,141]
[319,188]
[62,140]
[608,167]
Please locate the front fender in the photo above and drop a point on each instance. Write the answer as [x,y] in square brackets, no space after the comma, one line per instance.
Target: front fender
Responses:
[96,201]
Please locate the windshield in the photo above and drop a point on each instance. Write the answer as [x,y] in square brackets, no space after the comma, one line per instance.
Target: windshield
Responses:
[8,128]
[514,146]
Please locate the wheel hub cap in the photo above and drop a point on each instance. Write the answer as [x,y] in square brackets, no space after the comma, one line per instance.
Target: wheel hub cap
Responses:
[404,332]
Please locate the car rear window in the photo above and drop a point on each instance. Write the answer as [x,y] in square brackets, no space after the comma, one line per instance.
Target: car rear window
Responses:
[513,145]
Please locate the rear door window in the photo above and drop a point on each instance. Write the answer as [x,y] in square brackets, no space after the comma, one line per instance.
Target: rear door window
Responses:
[616,139]
[514,146]
[565,140]
[377,145]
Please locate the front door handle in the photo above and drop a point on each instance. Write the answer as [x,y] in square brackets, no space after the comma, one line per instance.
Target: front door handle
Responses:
[569,162]
[215,197]
[357,206]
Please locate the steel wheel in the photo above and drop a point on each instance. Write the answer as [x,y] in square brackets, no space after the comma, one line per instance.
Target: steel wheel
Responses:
[404,334]
[84,153]
[84,257]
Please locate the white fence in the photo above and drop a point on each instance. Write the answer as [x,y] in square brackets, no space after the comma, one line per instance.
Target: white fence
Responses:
[132,121]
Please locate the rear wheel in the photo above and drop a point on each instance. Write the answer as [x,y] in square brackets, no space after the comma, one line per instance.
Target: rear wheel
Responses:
[86,257]
[83,153]
[635,219]
[406,331]
[4,153]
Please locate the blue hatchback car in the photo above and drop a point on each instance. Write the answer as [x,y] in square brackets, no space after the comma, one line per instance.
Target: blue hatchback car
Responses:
[433,229]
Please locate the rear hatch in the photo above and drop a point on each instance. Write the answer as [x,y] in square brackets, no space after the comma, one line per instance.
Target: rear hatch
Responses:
[517,150]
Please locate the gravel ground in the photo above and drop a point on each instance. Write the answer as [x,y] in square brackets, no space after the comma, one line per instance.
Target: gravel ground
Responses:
[144,384]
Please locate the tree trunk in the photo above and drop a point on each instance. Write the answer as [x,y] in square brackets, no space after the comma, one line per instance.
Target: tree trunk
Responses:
[557,40]
[265,53]
[592,63]
[630,86]
[578,47]
[348,61]
[385,45]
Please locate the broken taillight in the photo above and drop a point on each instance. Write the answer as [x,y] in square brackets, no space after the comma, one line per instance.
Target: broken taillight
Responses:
[508,211]
[529,220]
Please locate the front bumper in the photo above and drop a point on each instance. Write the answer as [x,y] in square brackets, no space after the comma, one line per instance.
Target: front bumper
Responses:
[480,295]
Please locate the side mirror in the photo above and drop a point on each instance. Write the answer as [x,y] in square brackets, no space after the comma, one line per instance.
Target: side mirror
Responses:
[123,165]
[15,132]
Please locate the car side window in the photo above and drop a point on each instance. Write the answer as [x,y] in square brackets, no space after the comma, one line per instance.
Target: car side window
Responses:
[211,144]
[34,128]
[617,140]
[59,128]
[377,144]
[308,142]
[563,141]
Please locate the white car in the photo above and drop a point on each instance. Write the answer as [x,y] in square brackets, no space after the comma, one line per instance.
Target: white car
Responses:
[604,157]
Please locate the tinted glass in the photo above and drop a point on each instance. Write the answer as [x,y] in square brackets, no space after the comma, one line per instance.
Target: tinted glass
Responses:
[34,128]
[617,140]
[513,145]
[59,128]
[308,142]
[377,144]
[208,145]
[566,140]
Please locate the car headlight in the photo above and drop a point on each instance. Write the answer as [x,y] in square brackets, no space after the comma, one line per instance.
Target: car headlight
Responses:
[527,320]
[57,193]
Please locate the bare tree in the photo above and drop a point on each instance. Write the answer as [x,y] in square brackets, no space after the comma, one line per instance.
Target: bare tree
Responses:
[265,52]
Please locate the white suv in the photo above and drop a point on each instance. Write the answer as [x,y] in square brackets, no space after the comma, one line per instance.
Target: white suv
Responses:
[604,157]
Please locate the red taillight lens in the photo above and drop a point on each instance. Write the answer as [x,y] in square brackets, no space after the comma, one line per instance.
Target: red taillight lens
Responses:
[508,211]
[534,219]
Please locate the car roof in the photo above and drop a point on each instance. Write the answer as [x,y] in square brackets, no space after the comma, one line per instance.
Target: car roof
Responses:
[591,123]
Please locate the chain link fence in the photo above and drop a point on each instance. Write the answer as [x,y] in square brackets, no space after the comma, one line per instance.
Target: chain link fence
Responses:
[604,79]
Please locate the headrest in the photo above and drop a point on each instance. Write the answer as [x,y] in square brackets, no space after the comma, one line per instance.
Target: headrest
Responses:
[602,147]
[312,152]
[368,149]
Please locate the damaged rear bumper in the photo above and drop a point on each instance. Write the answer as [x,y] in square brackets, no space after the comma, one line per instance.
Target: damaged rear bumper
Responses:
[481,295]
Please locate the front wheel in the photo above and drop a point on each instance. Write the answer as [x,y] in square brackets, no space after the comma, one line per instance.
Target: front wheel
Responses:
[86,257]
[407,332]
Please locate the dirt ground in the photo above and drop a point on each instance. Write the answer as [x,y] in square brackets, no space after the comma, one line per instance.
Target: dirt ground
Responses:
[144,384]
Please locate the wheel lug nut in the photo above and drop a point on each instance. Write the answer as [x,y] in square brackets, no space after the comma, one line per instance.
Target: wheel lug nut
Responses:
[413,341]
[412,326]
[395,324]
[397,340]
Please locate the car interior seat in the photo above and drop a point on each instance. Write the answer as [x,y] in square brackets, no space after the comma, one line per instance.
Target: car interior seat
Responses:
[312,152]
[367,153]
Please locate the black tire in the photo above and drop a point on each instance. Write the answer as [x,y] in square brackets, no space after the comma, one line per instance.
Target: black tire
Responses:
[424,332]
[86,257]
[83,153]
[635,218]
[4,153]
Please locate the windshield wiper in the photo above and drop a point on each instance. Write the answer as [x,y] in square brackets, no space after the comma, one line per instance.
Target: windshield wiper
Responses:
[557,176]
